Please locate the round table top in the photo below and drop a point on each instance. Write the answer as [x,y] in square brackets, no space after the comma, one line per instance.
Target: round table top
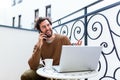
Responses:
[52,73]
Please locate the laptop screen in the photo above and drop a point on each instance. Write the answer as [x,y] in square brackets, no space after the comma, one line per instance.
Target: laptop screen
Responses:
[79,58]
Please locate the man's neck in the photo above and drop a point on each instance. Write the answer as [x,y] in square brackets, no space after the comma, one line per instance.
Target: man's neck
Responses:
[49,40]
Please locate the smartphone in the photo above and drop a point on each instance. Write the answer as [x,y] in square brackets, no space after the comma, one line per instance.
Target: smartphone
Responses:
[45,37]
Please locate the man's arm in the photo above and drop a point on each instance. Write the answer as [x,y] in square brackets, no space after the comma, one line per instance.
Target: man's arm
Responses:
[66,41]
[35,58]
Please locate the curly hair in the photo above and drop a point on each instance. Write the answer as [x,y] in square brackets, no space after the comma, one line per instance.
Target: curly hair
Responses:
[39,20]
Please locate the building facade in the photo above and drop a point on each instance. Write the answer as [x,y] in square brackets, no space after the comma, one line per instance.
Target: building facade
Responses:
[22,13]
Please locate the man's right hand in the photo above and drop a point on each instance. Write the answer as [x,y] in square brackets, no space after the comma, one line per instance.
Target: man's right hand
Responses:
[42,37]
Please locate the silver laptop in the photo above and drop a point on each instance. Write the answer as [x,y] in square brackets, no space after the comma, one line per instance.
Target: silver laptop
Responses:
[78,58]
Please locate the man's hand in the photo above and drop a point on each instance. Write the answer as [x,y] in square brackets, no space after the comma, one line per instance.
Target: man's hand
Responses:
[79,42]
[40,39]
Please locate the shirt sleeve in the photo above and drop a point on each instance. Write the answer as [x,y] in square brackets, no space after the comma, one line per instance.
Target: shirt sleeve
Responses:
[66,41]
[35,58]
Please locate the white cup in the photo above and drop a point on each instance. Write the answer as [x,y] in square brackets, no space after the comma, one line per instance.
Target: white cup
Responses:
[48,63]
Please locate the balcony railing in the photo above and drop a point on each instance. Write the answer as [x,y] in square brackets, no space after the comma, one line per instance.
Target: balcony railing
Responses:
[100,27]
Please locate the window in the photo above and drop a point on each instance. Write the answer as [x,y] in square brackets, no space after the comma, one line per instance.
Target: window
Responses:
[48,11]
[19,21]
[13,22]
[19,1]
[13,2]
[36,13]
[36,16]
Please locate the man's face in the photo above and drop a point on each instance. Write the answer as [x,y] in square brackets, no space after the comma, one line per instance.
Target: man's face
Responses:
[46,28]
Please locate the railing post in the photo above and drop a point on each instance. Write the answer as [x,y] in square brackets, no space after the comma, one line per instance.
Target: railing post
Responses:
[85,25]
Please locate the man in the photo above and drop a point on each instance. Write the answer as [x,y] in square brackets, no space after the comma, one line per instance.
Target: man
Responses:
[48,46]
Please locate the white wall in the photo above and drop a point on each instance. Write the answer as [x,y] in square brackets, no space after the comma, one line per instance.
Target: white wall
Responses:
[15,49]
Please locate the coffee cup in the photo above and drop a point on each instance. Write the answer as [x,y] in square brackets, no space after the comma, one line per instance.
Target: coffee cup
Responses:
[48,63]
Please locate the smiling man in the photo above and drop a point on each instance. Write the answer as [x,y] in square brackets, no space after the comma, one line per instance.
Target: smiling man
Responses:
[49,45]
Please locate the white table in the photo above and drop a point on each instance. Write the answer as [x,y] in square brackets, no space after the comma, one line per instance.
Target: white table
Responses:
[53,74]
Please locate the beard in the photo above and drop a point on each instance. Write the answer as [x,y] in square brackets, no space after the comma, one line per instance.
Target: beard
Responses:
[49,35]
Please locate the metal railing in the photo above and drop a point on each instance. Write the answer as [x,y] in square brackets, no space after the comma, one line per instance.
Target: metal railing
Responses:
[100,27]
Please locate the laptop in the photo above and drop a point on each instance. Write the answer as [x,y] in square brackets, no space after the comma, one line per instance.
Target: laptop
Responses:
[78,58]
